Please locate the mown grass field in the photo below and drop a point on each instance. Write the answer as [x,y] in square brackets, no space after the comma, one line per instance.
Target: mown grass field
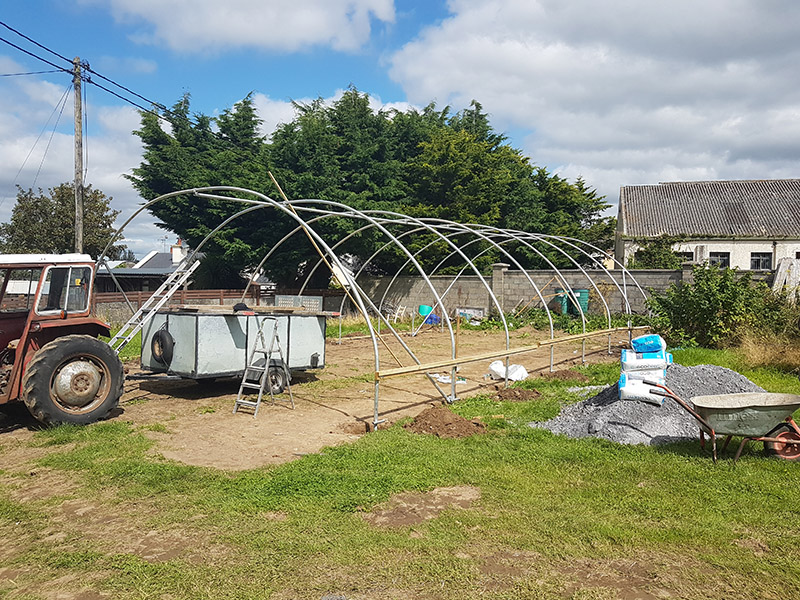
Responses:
[557,518]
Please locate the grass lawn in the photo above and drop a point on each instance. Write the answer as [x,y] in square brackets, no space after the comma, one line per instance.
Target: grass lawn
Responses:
[556,518]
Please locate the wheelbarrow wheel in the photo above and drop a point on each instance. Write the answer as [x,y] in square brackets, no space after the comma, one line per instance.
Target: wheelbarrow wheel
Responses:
[788,448]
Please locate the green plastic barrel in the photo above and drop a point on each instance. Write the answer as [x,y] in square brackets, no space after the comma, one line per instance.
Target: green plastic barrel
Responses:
[425,310]
[582,296]
[562,300]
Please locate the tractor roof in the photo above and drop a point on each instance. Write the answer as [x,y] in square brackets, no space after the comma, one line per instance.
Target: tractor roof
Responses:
[43,259]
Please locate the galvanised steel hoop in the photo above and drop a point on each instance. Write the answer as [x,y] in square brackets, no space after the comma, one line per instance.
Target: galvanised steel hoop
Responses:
[443,231]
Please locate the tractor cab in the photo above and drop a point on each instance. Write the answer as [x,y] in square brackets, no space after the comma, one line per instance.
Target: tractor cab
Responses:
[45,309]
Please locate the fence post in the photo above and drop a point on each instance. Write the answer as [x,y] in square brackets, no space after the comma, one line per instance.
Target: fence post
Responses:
[498,284]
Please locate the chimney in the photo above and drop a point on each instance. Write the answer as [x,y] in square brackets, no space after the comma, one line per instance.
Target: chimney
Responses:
[179,252]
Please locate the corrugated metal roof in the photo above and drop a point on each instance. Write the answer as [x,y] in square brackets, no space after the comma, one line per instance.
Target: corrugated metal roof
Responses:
[768,208]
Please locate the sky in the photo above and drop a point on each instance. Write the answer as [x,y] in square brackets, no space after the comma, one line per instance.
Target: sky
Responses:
[618,92]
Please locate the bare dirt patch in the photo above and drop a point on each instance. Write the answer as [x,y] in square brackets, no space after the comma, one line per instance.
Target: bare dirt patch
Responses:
[757,547]
[564,375]
[194,423]
[334,405]
[444,423]
[626,579]
[413,508]
[40,484]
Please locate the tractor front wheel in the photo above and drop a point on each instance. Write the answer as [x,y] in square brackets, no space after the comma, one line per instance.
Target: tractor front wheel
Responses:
[73,379]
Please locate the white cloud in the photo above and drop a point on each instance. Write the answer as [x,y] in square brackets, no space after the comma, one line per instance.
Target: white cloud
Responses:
[283,25]
[623,91]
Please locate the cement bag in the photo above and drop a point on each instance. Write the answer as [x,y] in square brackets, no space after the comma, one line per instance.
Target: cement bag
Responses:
[637,390]
[651,342]
[497,370]
[658,375]
[645,361]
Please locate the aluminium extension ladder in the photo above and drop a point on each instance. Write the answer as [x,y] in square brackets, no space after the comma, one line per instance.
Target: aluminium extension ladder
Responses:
[257,376]
[149,308]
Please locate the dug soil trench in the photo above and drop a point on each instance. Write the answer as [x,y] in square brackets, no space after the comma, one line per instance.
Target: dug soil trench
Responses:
[193,422]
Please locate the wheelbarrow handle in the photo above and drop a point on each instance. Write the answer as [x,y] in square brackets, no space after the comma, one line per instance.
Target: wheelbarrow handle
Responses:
[662,390]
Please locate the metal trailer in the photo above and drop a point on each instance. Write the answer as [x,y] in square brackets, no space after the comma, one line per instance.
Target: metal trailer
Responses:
[206,343]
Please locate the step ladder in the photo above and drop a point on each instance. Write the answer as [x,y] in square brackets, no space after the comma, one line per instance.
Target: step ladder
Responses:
[149,308]
[256,376]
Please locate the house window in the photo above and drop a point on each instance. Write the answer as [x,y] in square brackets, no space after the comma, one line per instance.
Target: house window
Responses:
[686,256]
[797,255]
[761,261]
[722,259]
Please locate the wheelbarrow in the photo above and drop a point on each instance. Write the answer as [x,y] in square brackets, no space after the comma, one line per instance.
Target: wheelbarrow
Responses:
[758,416]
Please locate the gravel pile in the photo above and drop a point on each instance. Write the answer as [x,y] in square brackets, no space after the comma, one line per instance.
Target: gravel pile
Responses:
[633,422]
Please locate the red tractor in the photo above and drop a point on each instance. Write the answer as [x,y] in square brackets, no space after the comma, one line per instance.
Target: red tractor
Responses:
[50,354]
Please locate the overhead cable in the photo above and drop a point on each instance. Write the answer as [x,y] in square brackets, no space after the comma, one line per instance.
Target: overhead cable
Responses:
[34,42]
[29,73]
[36,56]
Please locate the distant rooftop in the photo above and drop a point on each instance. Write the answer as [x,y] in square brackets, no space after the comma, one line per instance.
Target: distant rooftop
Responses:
[766,208]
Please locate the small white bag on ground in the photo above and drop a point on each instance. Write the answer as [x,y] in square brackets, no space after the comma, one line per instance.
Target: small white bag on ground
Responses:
[497,370]
[652,342]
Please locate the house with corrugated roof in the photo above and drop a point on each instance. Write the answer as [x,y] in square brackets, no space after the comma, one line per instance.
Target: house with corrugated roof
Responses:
[746,224]
[146,275]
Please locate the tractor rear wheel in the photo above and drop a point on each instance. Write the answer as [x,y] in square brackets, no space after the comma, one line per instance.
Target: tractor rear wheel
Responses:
[73,379]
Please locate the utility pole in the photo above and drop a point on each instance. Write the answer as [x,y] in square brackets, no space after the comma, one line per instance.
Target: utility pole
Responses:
[76,81]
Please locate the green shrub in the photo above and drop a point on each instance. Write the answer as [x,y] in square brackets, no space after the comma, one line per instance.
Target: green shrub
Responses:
[569,324]
[719,308]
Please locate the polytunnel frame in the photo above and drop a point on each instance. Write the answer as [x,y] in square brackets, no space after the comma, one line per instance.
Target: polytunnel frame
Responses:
[403,220]
[360,299]
[519,236]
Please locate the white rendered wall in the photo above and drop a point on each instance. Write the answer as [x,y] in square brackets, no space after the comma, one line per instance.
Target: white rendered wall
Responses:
[740,250]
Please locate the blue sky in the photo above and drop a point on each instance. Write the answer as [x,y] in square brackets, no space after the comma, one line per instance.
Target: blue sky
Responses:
[618,91]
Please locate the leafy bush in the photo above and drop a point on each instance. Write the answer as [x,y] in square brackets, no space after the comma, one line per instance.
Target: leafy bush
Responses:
[719,308]
[569,323]
[658,254]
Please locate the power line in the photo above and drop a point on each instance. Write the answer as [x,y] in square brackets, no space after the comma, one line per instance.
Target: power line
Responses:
[122,87]
[62,103]
[29,73]
[168,115]
[52,133]
[85,78]
[36,56]
[131,102]
[34,42]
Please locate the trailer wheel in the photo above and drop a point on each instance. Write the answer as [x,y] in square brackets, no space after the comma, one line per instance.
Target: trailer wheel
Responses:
[73,379]
[162,346]
[277,379]
[789,446]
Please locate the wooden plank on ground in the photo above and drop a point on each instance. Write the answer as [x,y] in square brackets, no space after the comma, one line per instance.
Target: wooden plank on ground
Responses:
[435,366]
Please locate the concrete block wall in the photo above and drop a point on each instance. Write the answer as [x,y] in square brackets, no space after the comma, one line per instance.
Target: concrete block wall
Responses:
[516,290]
[513,289]
[410,292]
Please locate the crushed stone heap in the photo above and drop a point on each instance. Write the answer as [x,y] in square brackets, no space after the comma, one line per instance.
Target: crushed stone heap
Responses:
[632,422]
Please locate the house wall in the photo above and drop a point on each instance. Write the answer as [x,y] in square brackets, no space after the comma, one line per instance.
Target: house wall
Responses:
[740,250]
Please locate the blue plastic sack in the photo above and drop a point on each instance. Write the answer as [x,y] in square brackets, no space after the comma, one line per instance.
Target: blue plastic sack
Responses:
[432,319]
[652,342]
